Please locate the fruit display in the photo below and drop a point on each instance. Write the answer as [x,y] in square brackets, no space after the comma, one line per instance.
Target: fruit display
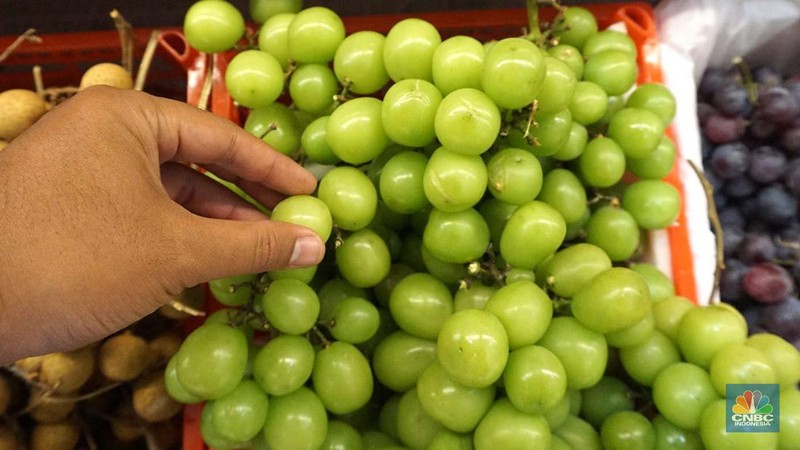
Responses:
[110,394]
[487,206]
[751,124]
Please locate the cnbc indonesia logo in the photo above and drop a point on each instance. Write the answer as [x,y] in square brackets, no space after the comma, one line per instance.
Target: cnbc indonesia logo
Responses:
[752,408]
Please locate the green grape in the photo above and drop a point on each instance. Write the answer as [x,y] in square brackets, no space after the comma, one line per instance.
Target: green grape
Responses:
[342,436]
[290,306]
[314,35]
[401,185]
[513,72]
[454,182]
[557,414]
[213,26]
[350,196]
[232,291]
[577,230]
[525,311]
[659,283]
[615,104]
[602,163]
[583,352]
[283,364]
[211,436]
[456,237]
[668,313]
[579,24]
[562,190]
[415,427]
[408,50]
[658,164]
[473,296]
[496,214]
[307,211]
[400,358]
[627,430]
[397,222]
[534,218]
[239,415]
[358,62]
[467,121]
[457,63]
[514,275]
[304,274]
[506,427]
[613,70]
[420,304]
[355,131]
[681,391]
[607,397]
[571,268]
[703,331]
[273,37]
[386,326]
[355,320]
[615,231]
[575,145]
[557,87]
[383,290]
[296,420]
[254,78]
[549,133]
[789,421]
[655,204]
[376,440]
[633,335]
[613,300]
[375,167]
[312,88]
[609,40]
[534,379]
[714,435]
[589,103]
[449,440]
[569,55]
[342,378]
[783,357]
[654,97]
[556,443]
[263,10]
[472,347]
[515,176]
[276,125]
[174,387]
[739,364]
[575,401]
[459,408]
[363,258]
[212,360]
[638,131]
[408,112]
[578,433]
[387,416]
[332,292]
[671,437]
[315,144]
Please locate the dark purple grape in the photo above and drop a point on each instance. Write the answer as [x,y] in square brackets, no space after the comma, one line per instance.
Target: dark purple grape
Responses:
[730,160]
[777,104]
[767,164]
[761,128]
[789,140]
[731,238]
[730,281]
[783,319]
[792,177]
[720,129]
[731,217]
[713,80]
[732,100]
[720,200]
[776,206]
[767,76]
[740,187]
[768,283]
[752,315]
[756,248]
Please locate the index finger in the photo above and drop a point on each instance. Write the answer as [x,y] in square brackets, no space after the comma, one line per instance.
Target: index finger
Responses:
[187,134]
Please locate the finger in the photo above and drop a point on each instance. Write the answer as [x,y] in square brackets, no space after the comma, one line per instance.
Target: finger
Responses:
[220,248]
[204,196]
[188,134]
[264,195]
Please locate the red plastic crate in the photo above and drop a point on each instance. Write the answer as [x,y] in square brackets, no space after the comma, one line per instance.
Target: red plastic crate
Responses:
[483,25]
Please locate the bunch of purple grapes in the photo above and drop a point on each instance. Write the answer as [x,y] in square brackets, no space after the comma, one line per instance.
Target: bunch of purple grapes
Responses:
[751,154]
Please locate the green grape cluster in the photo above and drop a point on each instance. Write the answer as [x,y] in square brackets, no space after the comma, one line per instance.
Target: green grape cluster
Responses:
[486,206]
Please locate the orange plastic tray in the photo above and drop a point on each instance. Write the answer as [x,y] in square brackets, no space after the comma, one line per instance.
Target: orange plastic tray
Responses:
[483,25]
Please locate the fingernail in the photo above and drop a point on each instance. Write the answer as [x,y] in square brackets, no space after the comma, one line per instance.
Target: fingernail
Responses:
[307,250]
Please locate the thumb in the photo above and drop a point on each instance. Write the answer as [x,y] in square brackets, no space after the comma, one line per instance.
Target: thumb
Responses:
[221,248]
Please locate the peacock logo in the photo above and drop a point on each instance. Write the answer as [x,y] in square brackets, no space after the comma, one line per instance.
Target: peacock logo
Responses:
[752,402]
[752,408]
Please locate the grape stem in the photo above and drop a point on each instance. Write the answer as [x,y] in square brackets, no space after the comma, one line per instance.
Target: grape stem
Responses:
[708,190]
[534,31]
[147,59]
[747,79]
[531,123]
[125,38]
[28,36]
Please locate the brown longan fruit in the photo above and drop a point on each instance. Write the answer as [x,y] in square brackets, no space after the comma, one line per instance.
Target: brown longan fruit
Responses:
[151,400]
[123,357]
[48,436]
[165,345]
[67,371]
[48,409]
[125,426]
[19,109]
[108,74]
[8,438]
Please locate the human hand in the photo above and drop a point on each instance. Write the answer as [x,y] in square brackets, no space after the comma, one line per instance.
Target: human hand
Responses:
[100,223]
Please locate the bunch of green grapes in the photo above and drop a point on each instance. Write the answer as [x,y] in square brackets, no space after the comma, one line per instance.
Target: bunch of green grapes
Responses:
[486,205]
